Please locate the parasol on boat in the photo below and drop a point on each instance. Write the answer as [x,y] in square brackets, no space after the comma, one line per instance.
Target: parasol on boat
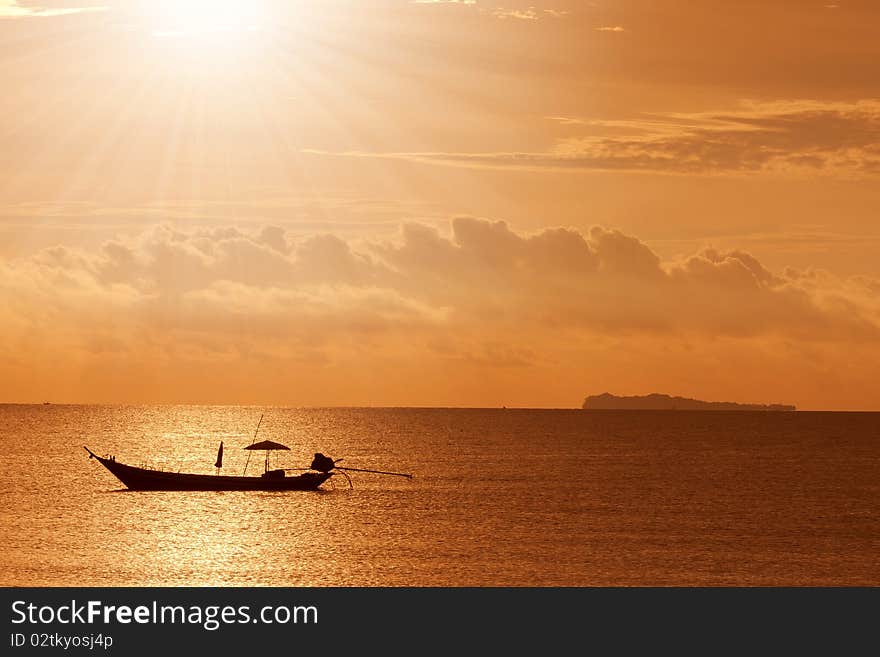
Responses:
[268,446]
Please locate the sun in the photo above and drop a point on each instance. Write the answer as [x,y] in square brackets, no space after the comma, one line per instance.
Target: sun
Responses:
[204,18]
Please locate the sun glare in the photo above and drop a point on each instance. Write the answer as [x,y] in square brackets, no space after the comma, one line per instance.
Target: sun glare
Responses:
[204,18]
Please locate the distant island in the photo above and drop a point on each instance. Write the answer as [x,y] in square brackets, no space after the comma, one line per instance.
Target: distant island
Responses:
[658,402]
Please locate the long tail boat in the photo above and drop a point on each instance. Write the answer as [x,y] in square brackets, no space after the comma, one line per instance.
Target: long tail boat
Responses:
[148,479]
[321,469]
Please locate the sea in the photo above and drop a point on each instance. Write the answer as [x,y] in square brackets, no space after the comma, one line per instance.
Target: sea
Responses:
[499,497]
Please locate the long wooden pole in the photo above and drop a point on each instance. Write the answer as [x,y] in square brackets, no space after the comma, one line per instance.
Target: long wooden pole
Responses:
[252,442]
[382,472]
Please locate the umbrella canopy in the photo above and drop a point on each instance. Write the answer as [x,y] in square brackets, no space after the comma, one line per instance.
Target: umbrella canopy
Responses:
[267,444]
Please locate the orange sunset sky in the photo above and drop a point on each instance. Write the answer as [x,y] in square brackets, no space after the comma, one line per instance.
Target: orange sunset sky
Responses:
[390,202]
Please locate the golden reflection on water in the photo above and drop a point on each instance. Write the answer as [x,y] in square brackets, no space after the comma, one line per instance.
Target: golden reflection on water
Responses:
[500,498]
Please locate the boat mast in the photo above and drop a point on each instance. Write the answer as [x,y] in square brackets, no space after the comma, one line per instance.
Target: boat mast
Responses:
[252,442]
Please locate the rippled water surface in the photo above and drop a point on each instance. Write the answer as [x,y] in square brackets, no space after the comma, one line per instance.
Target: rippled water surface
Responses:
[500,497]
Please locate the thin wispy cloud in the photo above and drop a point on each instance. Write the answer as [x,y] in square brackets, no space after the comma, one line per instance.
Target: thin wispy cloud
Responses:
[795,138]
[530,13]
[13,9]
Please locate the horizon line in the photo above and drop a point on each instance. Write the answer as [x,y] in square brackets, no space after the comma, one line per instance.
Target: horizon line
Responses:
[438,407]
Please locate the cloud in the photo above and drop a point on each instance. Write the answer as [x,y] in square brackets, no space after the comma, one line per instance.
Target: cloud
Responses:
[610,28]
[530,13]
[14,9]
[194,314]
[791,138]
[482,275]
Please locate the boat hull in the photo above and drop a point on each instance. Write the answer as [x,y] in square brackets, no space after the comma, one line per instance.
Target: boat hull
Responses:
[146,479]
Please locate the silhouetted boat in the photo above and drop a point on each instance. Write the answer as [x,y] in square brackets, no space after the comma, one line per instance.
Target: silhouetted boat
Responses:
[311,478]
[147,479]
